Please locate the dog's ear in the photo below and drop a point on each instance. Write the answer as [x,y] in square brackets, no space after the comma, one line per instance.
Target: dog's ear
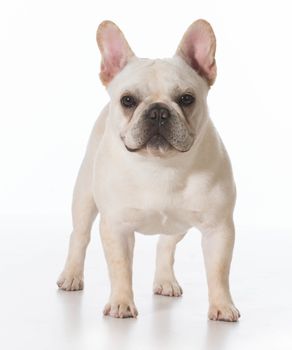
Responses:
[114,49]
[198,47]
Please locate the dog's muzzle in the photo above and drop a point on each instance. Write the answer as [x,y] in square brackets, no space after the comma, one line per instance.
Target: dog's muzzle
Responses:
[159,127]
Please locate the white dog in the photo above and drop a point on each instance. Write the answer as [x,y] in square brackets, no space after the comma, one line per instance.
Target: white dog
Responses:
[155,164]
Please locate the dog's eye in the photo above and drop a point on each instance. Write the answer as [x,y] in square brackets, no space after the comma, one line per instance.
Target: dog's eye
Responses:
[128,101]
[186,100]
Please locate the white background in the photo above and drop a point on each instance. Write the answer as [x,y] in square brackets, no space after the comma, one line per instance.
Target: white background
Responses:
[50,96]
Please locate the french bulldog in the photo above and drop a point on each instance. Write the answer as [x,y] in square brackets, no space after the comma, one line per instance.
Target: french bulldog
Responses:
[155,164]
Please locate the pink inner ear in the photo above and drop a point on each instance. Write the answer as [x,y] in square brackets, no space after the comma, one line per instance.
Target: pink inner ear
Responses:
[198,49]
[114,48]
[115,52]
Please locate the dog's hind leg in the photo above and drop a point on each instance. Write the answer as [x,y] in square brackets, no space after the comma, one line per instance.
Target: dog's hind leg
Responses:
[165,282]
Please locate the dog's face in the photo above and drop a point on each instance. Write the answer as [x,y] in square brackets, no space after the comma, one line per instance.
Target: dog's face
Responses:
[158,106]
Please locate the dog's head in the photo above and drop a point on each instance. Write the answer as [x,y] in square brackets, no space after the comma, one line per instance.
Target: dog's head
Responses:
[158,106]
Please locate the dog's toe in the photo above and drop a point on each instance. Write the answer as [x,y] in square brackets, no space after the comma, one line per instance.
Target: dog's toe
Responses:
[70,282]
[121,309]
[167,288]
[225,312]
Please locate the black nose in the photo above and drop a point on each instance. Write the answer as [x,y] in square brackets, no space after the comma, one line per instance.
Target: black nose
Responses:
[159,113]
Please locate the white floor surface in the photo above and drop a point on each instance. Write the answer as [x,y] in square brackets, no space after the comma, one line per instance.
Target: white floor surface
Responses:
[34,314]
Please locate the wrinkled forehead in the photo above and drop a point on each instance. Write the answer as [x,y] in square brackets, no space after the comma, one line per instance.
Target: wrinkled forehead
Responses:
[147,77]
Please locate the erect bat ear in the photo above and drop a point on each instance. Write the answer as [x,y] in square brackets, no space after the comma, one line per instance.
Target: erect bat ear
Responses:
[114,49]
[198,47]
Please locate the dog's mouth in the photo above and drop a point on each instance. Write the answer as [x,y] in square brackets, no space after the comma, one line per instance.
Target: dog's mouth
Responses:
[156,143]
[158,130]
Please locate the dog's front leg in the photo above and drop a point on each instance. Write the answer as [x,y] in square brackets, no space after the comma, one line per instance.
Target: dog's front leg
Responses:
[217,244]
[84,212]
[118,248]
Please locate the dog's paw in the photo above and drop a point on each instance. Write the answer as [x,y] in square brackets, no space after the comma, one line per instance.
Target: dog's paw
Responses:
[168,288]
[120,309]
[223,312]
[70,281]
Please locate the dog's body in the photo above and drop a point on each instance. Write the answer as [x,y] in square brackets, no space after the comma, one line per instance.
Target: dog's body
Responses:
[155,164]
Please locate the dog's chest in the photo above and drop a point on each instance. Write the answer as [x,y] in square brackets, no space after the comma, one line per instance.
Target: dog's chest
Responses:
[151,207]
[149,198]
[171,221]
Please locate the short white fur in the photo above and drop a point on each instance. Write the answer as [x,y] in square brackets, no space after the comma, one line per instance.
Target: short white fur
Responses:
[154,194]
